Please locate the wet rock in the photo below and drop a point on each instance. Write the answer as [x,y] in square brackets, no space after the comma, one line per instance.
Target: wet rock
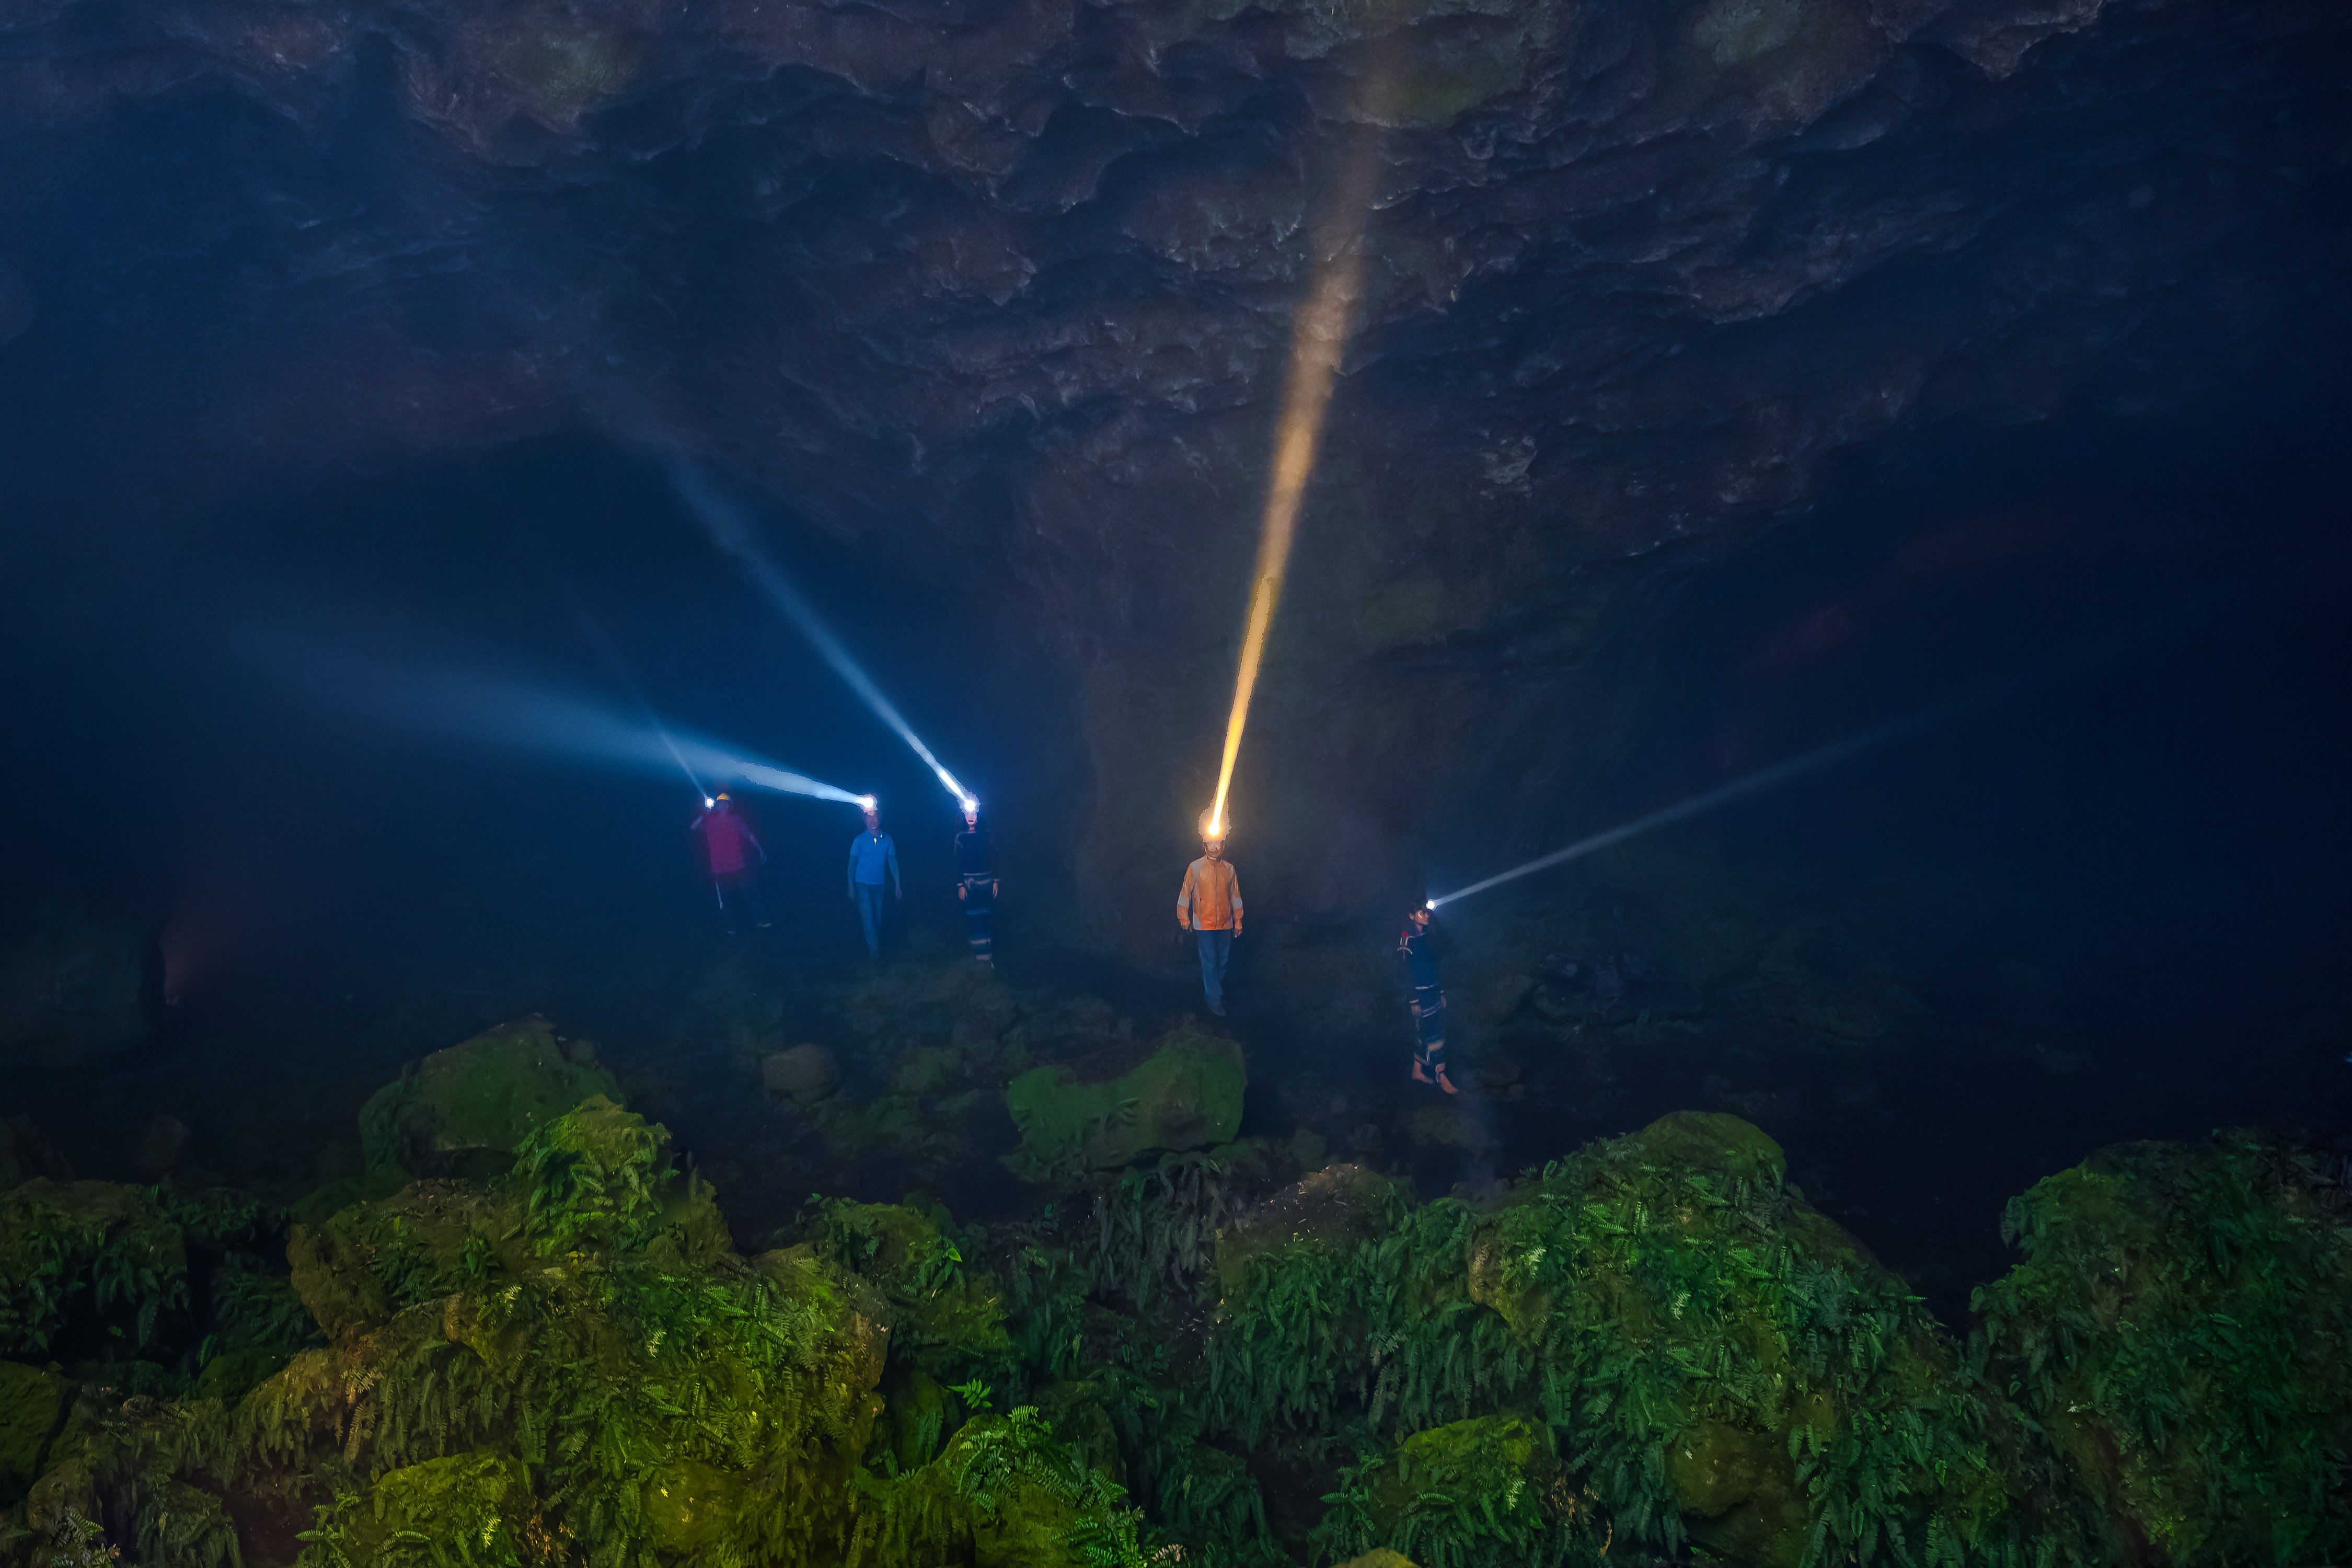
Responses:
[1184,1091]
[804,1074]
[466,1109]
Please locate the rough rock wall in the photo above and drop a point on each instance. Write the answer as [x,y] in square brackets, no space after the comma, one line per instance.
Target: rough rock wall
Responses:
[1006,287]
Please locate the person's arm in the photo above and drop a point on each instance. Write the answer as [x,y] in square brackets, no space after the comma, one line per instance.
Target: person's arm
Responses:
[1233,886]
[757,844]
[890,852]
[1185,902]
[853,870]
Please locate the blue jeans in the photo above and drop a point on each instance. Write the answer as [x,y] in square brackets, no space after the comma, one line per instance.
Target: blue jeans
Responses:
[1217,946]
[869,912]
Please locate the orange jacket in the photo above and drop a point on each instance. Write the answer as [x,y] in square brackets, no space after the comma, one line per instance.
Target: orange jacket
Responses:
[1210,898]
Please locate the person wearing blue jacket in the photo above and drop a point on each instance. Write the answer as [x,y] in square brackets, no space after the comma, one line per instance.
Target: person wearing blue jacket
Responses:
[872,858]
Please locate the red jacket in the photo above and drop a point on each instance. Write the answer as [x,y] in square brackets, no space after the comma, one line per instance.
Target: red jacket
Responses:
[727,839]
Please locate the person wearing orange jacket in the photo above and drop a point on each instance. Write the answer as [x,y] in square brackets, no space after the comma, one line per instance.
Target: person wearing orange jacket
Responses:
[1208,905]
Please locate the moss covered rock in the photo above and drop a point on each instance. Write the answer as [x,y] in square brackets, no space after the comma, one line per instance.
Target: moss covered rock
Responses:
[942,1317]
[466,1109]
[466,1510]
[1332,1209]
[1483,1490]
[32,1409]
[1184,1092]
[576,1350]
[2181,1322]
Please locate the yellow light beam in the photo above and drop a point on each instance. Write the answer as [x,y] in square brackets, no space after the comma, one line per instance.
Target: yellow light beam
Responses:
[1319,337]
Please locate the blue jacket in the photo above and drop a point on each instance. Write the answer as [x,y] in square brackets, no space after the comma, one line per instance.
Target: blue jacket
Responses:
[1418,947]
[871,854]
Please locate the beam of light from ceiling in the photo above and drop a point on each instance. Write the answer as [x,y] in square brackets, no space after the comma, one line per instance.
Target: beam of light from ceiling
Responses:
[1723,794]
[733,532]
[1318,339]
[506,713]
[594,632]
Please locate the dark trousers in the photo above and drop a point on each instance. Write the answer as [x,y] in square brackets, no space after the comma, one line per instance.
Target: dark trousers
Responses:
[1429,1041]
[869,913]
[1216,947]
[979,917]
[739,893]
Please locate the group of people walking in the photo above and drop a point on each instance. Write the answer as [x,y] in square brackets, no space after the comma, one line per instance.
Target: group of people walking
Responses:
[1207,906]
[730,848]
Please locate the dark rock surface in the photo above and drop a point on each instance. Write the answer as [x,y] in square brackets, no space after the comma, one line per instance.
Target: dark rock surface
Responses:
[1005,289]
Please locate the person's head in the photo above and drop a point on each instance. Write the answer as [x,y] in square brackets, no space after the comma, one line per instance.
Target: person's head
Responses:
[971,816]
[724,802]
[1418,916]
[872,820]
[1214,848]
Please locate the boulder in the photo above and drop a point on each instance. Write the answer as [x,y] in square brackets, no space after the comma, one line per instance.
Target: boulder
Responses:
[466,1110]
[1334,1208]
[1509,1463]
[32,1407]
[1185,1092]
[2212,1283]
[944,1318]
[804,1074]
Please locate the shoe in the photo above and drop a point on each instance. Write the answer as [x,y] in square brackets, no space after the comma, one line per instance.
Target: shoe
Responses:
[1218,1008]
[1445,1083]
[763,925]
[1419,1076]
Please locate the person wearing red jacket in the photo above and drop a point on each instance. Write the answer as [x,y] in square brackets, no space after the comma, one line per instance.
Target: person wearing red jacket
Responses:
[729,845]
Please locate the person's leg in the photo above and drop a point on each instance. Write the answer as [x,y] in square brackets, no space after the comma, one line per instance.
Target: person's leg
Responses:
[754,902]
[1213,976]
[977,913]
[1431,1056]
[726,905]
[869,914]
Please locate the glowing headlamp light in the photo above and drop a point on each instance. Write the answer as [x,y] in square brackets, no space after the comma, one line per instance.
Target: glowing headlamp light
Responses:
[970,807]
[707,803]
[868,802]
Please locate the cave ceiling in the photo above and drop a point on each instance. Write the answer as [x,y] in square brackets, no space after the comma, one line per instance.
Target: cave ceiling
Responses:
[1005,286]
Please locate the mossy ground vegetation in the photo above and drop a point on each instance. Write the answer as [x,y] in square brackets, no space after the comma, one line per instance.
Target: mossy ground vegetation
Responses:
[548,1348]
